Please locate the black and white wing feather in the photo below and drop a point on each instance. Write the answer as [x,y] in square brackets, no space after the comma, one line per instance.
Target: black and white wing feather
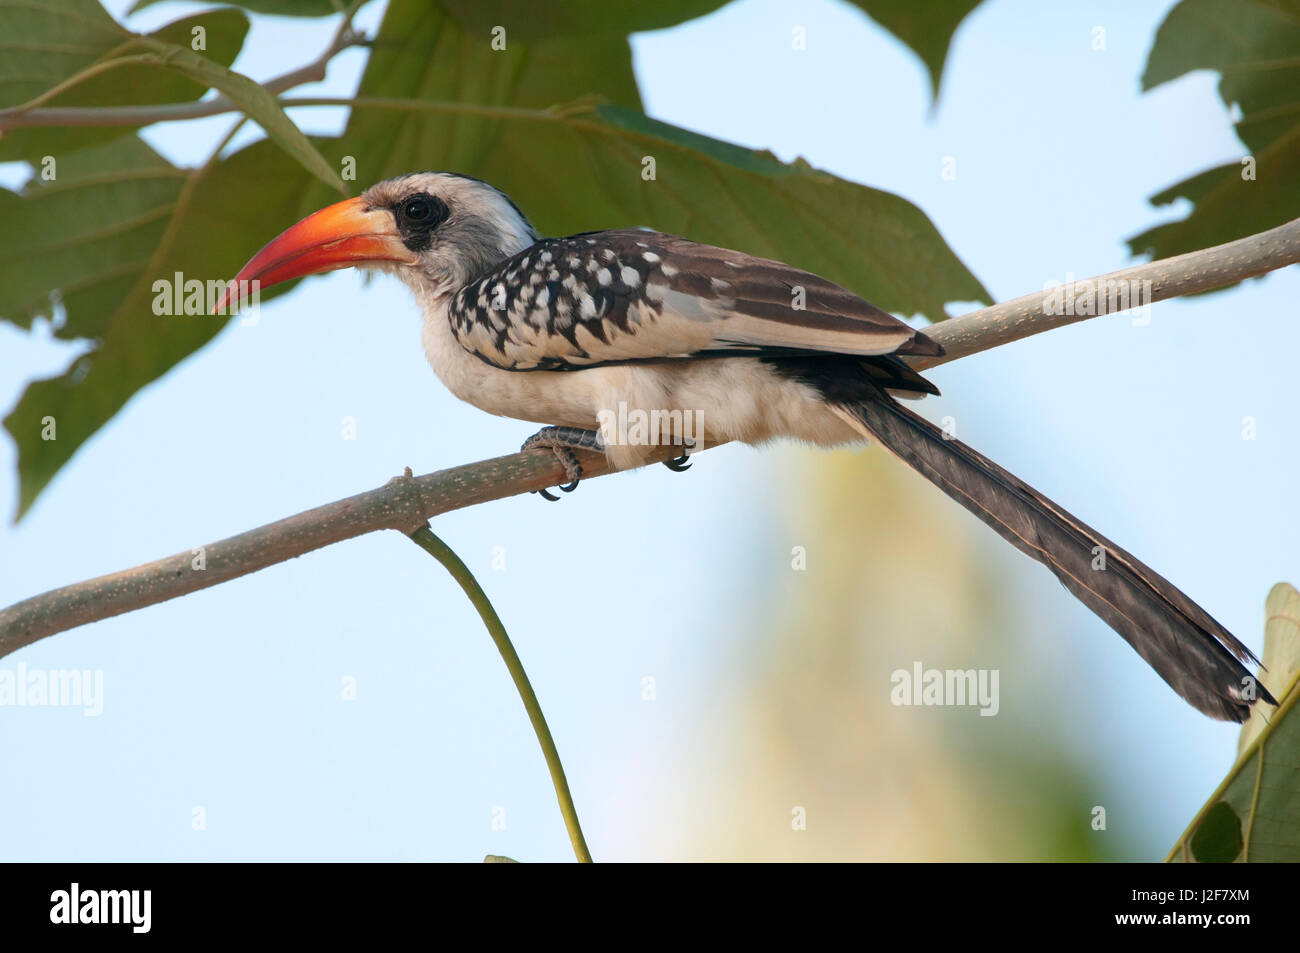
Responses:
[637,295]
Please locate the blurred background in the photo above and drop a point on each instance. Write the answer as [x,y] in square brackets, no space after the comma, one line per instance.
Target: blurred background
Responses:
[700,686]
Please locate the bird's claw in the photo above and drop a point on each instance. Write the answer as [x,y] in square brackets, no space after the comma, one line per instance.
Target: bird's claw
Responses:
[683,463]
[566,488]
[568,459]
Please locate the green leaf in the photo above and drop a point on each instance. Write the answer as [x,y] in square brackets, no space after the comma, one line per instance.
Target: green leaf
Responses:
[416,34]
[133,85]
[138,220]
[284,8]
[253,100]
[1256,50]
[1218,837]
[1255,813]
[927,28]
[57,43]
[1281,657]
[85,234]
[522,20]
[45,43]
[1228,206]
[873,242]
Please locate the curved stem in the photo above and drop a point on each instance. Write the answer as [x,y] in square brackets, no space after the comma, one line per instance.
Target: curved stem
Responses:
[425,538]
[90,72]
[29,114]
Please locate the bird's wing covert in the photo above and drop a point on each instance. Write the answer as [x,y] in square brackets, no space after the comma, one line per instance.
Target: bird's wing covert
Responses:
[636,295]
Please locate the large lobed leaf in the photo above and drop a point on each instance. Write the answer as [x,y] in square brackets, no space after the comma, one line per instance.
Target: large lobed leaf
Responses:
[1255,814]
[424,53]
[1256,49]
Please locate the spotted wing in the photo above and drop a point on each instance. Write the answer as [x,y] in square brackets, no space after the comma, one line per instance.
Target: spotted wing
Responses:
[634,295]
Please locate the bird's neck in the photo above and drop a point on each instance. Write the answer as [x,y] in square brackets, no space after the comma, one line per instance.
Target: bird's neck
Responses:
[485,245]
[467,255]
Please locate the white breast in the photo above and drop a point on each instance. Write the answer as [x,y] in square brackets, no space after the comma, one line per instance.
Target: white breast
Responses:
[723,399]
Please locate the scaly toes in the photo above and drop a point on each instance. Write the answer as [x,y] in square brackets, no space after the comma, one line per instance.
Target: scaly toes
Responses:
[572,469]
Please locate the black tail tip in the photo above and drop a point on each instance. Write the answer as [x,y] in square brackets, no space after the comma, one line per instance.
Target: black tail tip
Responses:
[1238,702]
[922,346]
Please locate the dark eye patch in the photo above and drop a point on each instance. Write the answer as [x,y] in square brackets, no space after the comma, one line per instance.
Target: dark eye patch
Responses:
[417,216]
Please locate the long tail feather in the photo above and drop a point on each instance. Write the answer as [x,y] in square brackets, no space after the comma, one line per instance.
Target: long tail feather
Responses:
[1197,656]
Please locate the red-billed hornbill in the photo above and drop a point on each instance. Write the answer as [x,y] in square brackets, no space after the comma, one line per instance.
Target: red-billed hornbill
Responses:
[564,331]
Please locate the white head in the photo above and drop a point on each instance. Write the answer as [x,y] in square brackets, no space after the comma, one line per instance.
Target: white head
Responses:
[437,231]
[459,226]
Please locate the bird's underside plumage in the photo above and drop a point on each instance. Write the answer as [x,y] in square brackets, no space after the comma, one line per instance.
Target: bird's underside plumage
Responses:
[563,331]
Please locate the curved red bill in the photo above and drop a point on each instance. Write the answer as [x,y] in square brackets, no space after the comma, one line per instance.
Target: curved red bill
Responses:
[338,236]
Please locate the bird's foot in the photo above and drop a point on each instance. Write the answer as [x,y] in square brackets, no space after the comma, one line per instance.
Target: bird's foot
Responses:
[563,441]
[683,463]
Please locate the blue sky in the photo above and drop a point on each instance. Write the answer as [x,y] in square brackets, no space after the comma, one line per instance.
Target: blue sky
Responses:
[229,699]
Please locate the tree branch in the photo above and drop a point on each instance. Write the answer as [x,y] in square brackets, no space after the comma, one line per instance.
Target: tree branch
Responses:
[1169,278]
[406,503]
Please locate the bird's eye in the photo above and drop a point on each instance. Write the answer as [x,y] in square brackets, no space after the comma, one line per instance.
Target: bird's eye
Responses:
[418,215]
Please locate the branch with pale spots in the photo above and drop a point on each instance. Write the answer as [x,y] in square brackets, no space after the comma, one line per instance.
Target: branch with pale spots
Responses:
[1192,273]
[406,503]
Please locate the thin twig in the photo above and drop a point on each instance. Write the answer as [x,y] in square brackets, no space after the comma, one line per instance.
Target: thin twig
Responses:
[428,541]
[86,116]
[406,503]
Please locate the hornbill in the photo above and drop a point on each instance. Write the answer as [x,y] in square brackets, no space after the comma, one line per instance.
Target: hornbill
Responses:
[563,331]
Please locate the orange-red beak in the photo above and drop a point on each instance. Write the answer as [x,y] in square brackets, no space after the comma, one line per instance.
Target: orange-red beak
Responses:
[338,236]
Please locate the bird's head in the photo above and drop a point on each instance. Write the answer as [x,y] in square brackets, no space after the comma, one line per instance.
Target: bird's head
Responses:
[437,231]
